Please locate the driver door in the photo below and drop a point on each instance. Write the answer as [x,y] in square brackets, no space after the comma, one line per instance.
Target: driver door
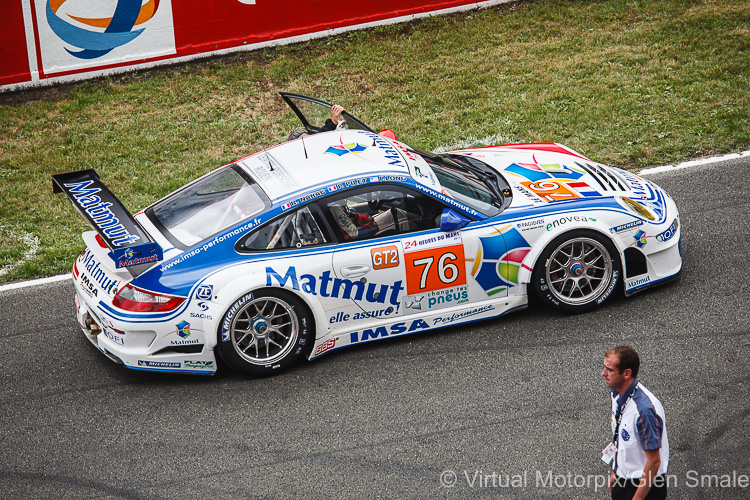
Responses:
[313,113]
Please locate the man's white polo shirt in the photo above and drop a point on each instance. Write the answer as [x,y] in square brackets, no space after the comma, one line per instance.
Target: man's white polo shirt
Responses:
[642,427]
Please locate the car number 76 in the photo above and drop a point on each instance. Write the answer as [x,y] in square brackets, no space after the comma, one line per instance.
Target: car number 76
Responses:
[434,269]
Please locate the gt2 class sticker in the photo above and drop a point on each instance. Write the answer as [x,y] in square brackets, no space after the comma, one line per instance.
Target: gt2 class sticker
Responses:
[385,257]
[434,262]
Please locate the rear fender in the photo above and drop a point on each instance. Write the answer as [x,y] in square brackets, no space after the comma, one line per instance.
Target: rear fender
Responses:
[239,282]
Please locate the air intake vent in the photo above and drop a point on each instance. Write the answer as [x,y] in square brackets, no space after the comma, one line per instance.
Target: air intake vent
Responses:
[608,180]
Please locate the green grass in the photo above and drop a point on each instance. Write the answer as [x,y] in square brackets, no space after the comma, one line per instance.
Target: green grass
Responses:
[629,83]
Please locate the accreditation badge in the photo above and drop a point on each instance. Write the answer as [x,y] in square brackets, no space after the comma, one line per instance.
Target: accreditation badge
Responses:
[608,453]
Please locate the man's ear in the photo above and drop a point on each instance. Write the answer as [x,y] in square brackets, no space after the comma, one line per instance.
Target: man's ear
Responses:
[627,373]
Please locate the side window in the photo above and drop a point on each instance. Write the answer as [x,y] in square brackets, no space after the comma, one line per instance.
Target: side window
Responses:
[363,214]
[294,230]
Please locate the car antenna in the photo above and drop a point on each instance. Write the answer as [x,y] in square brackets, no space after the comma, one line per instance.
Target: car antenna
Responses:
[303,145]
[257,131]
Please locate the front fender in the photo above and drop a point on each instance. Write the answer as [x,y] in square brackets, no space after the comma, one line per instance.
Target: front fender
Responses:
[553,231]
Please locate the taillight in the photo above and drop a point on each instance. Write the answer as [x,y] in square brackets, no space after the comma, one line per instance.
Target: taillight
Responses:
[134,299]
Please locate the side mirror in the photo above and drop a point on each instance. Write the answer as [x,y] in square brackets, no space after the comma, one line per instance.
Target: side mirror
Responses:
[388,133]
[450,220]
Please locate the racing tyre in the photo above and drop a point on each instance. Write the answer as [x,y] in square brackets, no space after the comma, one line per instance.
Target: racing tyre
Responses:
[265,332]
[577,272]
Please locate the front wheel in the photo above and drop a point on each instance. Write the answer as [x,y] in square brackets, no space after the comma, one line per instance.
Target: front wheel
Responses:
[577,272]
[264,332]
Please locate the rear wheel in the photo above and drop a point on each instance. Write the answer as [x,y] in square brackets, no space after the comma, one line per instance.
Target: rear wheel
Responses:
[577,272]
[264,332]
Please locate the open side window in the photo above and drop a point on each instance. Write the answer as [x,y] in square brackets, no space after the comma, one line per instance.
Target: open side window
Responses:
[313,113]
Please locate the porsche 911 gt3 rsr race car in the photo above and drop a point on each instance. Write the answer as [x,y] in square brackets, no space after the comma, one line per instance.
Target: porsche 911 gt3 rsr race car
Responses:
[347,236]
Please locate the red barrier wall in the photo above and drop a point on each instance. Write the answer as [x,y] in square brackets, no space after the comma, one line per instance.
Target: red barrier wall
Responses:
[49,41]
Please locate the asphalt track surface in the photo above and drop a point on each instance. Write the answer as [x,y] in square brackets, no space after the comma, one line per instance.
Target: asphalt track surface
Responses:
[508,408]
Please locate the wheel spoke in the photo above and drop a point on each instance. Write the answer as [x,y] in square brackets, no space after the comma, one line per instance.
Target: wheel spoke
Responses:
[265,330]
[578,271]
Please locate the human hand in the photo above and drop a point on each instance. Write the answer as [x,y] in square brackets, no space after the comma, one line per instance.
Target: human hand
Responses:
[336,111]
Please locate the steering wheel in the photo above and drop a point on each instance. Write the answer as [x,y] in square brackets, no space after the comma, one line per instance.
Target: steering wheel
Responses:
[374,201]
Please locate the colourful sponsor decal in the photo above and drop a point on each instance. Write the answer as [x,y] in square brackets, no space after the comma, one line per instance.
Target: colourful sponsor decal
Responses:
[552,182]
[495,268]
[638,185]
[640,239]
[183,329]
[325,286]
[557,190]
[536,172]
[344,149]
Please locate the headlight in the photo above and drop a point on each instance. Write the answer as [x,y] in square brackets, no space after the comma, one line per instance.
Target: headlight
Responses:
[636,208]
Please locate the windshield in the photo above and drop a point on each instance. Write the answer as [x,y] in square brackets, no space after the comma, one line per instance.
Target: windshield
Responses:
[205,207]
[467,184]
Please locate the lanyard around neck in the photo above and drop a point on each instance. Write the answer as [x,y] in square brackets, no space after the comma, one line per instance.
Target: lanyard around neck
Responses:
[621,411]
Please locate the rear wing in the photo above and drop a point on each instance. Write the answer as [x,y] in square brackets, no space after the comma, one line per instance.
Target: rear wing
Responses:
[130,244]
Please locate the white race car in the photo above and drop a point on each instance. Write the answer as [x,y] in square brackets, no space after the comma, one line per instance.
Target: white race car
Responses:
[347,236]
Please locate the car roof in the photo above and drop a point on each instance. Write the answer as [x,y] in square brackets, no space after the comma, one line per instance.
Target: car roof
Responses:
[326,159]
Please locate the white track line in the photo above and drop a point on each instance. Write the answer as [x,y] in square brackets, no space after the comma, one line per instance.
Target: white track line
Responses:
[43,281]
[694,163]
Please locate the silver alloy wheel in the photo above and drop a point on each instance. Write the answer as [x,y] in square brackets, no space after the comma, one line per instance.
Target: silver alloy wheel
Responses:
[579,271]
[264,330]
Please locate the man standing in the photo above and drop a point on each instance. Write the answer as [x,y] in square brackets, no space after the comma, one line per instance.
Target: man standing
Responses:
[639,451]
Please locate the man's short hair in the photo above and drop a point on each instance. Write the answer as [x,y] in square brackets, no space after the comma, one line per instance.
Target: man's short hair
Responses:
[627,358]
